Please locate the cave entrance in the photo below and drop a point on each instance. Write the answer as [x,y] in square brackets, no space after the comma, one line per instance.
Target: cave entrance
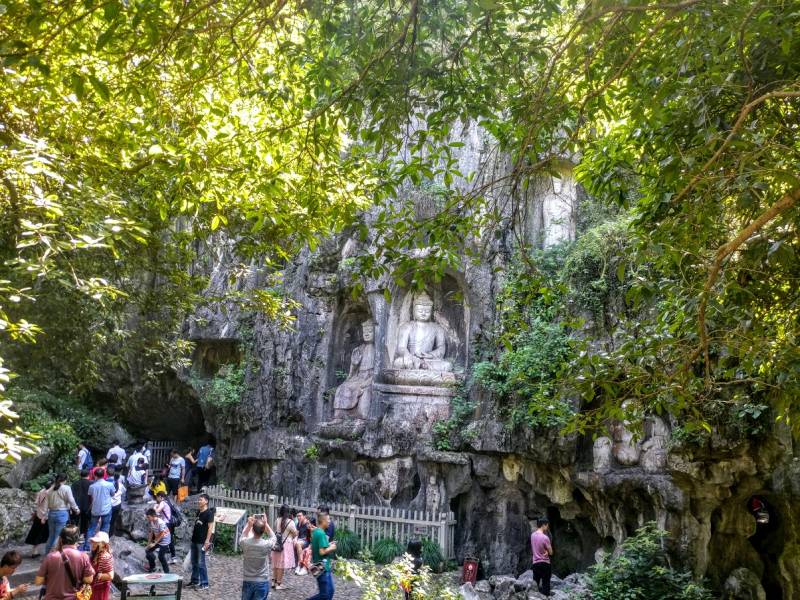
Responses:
[769,541]
[568,541]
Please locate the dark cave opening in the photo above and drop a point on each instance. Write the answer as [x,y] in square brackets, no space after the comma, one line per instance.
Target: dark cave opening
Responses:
[769,541]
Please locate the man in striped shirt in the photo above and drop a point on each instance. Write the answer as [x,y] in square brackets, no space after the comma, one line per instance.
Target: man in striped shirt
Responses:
[160,539]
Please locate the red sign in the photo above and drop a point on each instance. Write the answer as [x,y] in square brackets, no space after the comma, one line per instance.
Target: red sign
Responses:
[470,572]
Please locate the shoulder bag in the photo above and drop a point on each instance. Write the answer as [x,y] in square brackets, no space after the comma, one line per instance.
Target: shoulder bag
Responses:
[279,540]
[84,592]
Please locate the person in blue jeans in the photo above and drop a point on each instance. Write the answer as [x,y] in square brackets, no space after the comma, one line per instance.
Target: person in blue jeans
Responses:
[101,492]
[256,551]
[320,548]
[59,502]
[201,541]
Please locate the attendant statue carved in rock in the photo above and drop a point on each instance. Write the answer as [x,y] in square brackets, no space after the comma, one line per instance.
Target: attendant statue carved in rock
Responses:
[421,343]
[353,396]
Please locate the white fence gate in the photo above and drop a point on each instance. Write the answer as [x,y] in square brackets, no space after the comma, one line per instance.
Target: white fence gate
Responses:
[370,523]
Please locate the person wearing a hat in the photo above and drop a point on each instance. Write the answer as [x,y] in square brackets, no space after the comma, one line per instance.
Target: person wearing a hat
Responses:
[103,564]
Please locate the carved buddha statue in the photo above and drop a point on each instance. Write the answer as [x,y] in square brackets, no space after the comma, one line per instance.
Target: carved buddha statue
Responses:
[421,343]
[353,396]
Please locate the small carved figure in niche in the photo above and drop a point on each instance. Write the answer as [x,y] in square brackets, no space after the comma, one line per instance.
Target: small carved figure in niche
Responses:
[353,396]
[421,344]
[603,454]
[626,450]
[654,453]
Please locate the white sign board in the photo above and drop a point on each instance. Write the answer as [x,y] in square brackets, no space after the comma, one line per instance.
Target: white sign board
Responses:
[229,516]
[420,530]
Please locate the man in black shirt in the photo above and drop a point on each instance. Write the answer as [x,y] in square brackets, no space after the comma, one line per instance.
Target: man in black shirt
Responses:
[80,491]
[201,541]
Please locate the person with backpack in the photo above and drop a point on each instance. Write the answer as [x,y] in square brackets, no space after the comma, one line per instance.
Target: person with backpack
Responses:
[84,457]
[283,553]
[63,573]
[205,462]
[59,502]
[166,510]
[160,538]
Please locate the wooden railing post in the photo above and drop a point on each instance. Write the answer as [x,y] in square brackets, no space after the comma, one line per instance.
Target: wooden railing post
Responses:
[272,516]
[351,521]
[444,535]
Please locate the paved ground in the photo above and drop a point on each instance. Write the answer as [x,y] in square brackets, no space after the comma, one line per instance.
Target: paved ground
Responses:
[225,575]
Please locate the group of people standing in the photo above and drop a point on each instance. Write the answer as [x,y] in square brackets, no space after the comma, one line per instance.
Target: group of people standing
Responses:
[66,569]
[295,541]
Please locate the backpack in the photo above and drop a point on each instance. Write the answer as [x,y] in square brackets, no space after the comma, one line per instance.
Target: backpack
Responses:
[176,518]
[89,462]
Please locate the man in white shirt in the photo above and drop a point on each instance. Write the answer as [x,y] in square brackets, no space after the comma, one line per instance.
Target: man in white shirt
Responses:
[84,458]
[134,458]
[116,449]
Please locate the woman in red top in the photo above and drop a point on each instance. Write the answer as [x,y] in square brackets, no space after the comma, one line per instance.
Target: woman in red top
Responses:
[102,465]
[103,565]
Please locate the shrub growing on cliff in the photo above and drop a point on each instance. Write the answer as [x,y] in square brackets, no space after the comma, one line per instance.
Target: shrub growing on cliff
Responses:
[641,572]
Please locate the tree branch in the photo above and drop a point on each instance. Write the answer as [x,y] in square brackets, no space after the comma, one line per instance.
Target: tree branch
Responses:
[746,109]
[726,250]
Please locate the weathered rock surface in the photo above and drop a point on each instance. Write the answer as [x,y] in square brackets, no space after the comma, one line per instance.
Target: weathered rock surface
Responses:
[13,475]
[743,584]
[281,437]
[16,508]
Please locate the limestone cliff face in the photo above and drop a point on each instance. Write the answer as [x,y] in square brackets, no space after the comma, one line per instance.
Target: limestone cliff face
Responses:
[595,493]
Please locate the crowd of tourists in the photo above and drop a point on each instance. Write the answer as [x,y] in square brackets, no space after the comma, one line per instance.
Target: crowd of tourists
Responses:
[75,523]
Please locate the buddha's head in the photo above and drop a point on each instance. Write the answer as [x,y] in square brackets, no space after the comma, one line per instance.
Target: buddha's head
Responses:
[423,307]
[368,331]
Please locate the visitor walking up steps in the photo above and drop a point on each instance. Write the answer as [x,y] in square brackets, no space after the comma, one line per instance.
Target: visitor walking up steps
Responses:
[542,550]
[101,493]
[321,568]
[103,564]
[116,449]
[80,491]
[39,533]
[166,511]
[255,567]
[64,572]
[84,457]
[59,502]
[159,539]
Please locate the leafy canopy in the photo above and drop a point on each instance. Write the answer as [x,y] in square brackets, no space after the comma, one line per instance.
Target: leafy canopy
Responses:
[135,133]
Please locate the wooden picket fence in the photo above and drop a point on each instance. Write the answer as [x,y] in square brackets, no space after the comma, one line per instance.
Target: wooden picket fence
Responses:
[370,523]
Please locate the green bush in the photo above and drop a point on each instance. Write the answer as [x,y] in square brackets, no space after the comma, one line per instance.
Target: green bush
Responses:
[432,555]
[60,422]
[641,572]
[386,549]
[523,377]
[223,542]
[348,543]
